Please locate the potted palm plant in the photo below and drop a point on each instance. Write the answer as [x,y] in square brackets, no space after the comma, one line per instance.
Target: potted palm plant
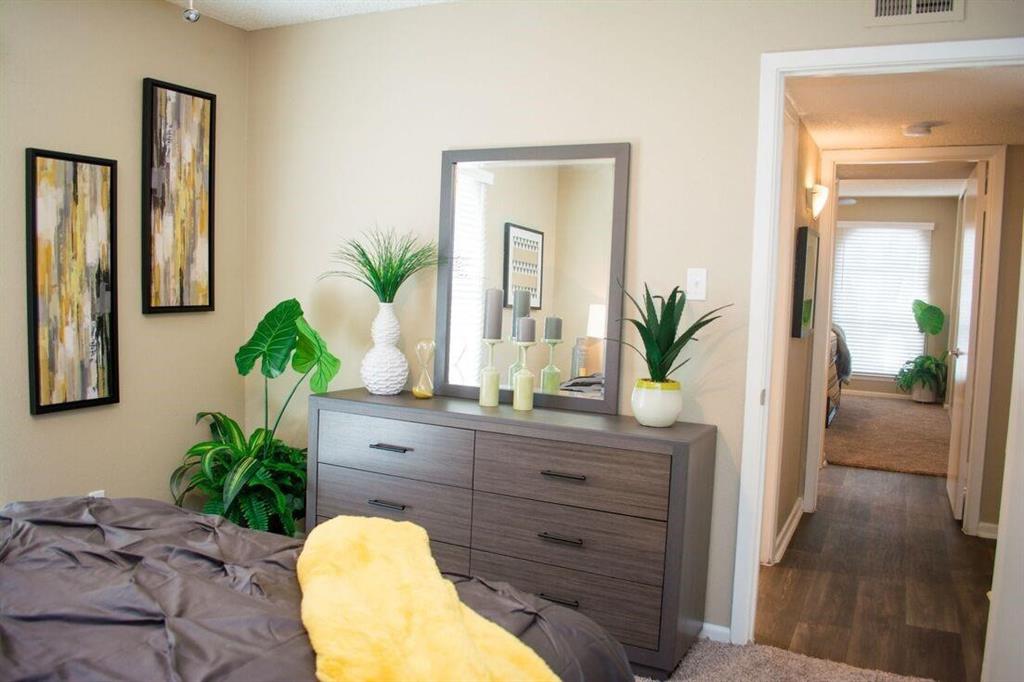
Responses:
[657,400]
[259,481]
[383,261]
[924,377]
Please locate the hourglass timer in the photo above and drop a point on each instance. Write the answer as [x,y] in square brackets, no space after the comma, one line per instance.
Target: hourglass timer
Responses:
[424,387]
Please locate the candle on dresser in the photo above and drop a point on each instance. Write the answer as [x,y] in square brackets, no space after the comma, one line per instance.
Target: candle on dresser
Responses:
[520,308]
[526,331]
[493,304]
[552,329]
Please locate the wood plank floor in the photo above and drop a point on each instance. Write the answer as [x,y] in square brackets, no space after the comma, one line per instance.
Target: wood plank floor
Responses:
[881,577]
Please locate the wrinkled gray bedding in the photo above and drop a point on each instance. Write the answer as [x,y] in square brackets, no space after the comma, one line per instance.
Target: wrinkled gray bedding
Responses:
[132,589]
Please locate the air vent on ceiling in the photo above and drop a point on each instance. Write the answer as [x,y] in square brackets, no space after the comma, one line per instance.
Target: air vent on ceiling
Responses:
[893,12]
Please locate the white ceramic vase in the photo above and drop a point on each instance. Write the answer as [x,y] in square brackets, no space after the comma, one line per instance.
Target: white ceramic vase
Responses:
[922,393]
[657,403]
[385,370]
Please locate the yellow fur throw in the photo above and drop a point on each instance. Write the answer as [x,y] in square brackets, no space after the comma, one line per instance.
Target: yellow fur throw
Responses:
[377,608]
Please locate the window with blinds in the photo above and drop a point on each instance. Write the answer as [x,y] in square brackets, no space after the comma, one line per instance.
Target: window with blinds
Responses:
[880,269]
[469,246]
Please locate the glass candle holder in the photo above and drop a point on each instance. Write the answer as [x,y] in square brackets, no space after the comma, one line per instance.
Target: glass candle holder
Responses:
[424,387]
[551,376]
[522,386]
[490,378]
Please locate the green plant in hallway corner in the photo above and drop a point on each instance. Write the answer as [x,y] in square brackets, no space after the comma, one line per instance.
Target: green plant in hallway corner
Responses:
[924,377]
[259,481]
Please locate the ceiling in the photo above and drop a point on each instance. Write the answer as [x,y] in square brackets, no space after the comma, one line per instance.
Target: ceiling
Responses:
[253,15]
[976,106]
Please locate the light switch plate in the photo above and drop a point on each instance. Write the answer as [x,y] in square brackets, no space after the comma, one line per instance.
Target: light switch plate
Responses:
[697,284]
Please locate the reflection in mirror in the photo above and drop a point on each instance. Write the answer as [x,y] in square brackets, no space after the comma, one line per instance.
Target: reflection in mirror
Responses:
[543,228]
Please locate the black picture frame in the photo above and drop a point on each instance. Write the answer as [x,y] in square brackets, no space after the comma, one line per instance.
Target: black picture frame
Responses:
[149,88]
[805,282]
[36,406]
[506,263]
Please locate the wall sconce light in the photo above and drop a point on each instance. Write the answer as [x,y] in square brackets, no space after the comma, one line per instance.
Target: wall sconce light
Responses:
[817,197]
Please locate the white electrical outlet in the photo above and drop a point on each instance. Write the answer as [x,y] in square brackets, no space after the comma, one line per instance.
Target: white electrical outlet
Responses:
[697,284]
[98,493]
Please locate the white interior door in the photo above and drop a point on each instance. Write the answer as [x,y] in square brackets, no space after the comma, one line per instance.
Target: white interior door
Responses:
[962,333]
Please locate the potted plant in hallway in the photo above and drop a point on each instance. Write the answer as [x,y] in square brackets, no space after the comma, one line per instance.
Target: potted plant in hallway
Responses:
[924,377]
[658,400]
[259,481]
[382,261]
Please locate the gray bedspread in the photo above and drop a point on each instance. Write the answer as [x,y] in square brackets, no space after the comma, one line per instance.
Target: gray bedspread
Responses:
[134,589]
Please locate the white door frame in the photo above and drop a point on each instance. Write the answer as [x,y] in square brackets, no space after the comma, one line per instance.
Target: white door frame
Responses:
[775,67]
[984,313]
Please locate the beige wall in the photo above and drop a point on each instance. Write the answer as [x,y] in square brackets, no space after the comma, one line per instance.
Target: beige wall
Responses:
[1006,315]
[798,364]
[348,119]
[71,80]
[939,210]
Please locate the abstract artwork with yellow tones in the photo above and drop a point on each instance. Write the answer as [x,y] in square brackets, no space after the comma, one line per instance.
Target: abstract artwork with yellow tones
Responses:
[72,280]
[177,231]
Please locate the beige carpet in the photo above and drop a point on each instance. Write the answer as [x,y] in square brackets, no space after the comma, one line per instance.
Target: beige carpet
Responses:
[709,660]
[889,434]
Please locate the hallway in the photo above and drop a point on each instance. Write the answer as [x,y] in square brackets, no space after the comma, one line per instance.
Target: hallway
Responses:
[881,577]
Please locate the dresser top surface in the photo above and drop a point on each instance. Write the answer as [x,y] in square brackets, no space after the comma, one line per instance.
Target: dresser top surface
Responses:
[470,411]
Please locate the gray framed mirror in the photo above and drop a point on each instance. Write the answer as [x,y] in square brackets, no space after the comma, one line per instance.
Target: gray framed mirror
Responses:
[551,222]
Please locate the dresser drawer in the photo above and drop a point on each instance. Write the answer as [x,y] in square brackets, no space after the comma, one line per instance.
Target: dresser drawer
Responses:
[450,558]
[631,612]
[620,481]
[583,539]
[443,511]
[425,452]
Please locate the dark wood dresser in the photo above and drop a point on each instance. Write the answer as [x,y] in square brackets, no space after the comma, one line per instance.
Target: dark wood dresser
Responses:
[591,511]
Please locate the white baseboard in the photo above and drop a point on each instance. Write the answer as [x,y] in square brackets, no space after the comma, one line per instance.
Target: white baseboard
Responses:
[787,530]
[988,530]
[871,394]
[716,633]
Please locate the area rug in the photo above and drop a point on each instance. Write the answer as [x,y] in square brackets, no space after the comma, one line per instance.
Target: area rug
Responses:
[709,660]
[891,434]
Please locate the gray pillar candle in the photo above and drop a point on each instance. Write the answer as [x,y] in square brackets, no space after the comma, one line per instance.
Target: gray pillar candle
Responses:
[493,304]
[553,328]
[527,330]
[520,308]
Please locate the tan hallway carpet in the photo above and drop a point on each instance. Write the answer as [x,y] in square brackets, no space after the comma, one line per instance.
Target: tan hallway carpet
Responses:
[709,661]
[890,434]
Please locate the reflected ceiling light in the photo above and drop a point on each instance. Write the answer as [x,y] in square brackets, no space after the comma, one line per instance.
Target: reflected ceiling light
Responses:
[847,201]
[597,320]
[817,197]
[191,15]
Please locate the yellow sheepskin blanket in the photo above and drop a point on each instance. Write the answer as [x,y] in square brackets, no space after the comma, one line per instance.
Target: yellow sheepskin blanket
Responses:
[377,608]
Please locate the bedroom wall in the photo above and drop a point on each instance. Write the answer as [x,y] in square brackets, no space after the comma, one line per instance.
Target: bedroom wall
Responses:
[71,80]
[798,365]
[348,119]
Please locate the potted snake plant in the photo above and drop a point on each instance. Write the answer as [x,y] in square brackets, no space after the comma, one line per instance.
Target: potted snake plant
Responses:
[657,400]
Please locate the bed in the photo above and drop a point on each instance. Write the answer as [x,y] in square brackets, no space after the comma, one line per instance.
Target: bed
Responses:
[135,589]
[838,371]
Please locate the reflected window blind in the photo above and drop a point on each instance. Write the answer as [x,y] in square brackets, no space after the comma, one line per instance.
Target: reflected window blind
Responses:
[880,269]
[468,259]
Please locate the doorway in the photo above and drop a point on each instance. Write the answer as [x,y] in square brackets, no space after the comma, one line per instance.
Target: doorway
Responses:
[763,343]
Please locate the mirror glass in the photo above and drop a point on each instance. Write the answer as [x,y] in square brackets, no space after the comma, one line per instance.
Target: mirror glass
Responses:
[544,227]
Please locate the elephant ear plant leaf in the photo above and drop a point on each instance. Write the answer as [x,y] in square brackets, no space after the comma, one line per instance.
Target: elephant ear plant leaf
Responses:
[259,481]
[929,318]
[658,328]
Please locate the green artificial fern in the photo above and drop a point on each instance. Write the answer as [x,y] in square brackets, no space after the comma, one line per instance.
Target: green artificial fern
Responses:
[383,261]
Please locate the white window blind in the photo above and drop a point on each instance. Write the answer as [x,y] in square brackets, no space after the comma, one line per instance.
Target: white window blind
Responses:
[880,269]
[469,246]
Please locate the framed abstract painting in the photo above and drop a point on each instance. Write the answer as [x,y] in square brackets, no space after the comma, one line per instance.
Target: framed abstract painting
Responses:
[523,266]
[178,141]
[71,208]
[805,282]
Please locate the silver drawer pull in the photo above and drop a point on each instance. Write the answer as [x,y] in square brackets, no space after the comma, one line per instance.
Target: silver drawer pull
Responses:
[560,474]
[387,505]
[390,448]
[555,537]
[571,603]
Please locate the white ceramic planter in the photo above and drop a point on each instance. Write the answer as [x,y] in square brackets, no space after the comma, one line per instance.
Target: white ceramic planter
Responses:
[385,370]
[923,394]
[657,403]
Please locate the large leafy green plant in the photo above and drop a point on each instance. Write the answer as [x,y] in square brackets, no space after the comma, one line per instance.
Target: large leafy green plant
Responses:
[925,369]
[383,261]
[259,481]
[658,327]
